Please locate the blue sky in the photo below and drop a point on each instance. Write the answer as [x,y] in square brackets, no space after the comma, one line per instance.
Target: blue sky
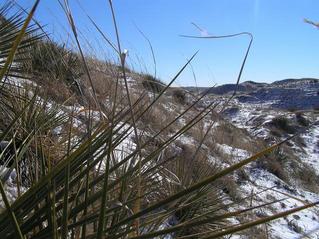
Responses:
[284,46]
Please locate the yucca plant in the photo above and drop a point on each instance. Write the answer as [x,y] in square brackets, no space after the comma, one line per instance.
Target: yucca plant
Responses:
[35,122]
[102,188]
[152,84]
[13,44]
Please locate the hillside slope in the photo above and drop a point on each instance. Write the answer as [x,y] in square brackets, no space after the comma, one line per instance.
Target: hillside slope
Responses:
[235,134]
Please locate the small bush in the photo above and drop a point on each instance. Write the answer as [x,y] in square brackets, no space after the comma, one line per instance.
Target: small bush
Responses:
[301,119]
[275,164]
[308,177]
[180,96]
[282,123]
[152,84]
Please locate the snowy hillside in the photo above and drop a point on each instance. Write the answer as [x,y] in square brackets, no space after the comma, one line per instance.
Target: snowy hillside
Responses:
[264,120]
[233,136]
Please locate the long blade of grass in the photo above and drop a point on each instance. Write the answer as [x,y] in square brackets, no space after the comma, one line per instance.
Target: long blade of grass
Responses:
[12,216]
[251,224]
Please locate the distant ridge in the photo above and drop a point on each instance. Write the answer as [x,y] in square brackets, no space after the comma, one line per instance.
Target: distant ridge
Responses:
[296,94]
[249,86]
[296,81]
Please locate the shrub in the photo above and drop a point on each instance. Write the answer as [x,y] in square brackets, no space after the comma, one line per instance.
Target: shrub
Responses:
[180,96]
[275,164]
[33,132]
[282,123]
[307,175]
[9,32]
[152,84]
[301,119]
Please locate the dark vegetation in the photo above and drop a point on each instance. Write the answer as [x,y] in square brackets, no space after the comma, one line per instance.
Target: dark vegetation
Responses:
[152,84]
[276,164]
[302,120]
[55,68]
[48,59]
[283,124]
[180,96]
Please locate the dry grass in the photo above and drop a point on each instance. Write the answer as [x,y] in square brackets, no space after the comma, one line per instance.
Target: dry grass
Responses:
[57,91]
[226,133]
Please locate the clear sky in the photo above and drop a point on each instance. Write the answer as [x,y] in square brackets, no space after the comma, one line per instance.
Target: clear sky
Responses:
[284,46]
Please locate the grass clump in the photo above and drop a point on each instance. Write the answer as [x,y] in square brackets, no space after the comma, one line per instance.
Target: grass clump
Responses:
[180,96]
[32,133]
[275,163]
[301,119]
[152,84]
[47,57]
[282,123]
[49,61]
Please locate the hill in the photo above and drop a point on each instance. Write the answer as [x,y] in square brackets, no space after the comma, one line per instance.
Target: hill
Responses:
[298,94]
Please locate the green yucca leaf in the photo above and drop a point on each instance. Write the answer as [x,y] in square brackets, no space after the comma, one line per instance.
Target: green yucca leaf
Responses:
[200,184]
[247,225]
[199,221]
[11,213]
[13,39]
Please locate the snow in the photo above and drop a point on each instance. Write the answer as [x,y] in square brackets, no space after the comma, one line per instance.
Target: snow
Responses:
[20,82]
[299,224]
[124,148]
[10,187]
[235,153]
[310,154]
[185,139]
[270,188]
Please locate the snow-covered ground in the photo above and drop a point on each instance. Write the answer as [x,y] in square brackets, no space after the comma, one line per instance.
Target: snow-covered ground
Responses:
[255,119]
[293,226]
[310,154]
[262,185]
